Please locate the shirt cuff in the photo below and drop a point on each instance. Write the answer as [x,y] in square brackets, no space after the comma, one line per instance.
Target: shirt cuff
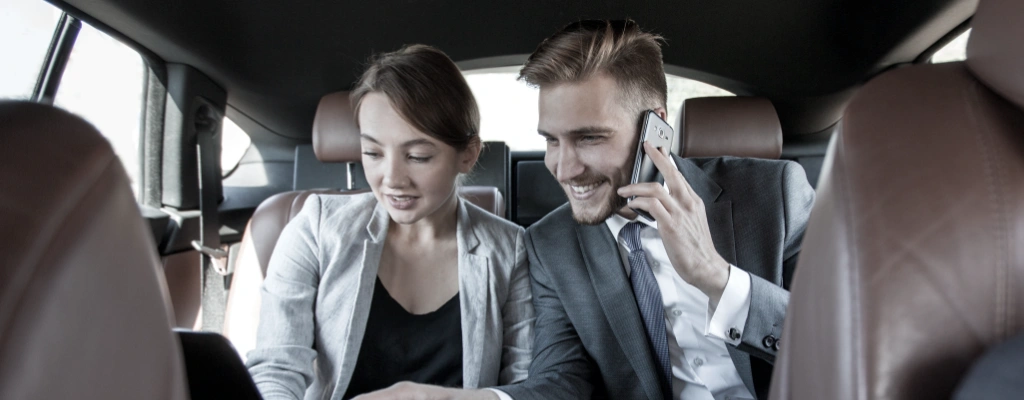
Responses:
[501,395]
[728,320]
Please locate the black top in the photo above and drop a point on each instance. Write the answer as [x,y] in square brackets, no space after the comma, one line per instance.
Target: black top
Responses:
[399,346]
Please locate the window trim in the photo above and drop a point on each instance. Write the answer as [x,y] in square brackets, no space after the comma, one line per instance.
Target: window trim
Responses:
[65,34]
[151,144]
[153,102]
[148,56]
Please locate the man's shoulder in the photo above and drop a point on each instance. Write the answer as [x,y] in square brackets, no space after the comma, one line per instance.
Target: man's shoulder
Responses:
[730,171]
[558,225]
[729,164]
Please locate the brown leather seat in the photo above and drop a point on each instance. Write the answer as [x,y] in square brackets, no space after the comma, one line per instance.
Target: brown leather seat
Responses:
[914,259]
[335,140]
[83,307]
[729,126]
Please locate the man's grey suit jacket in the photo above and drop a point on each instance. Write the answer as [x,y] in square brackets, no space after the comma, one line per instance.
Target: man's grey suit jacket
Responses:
[590,339]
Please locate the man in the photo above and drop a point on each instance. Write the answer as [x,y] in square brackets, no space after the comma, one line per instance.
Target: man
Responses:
[688,307]
[600,273]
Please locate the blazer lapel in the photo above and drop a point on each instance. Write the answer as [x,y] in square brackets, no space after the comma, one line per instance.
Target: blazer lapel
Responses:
[717,206]
[719,213]
[474,275]
[373,247]
[741,360]
[608,275]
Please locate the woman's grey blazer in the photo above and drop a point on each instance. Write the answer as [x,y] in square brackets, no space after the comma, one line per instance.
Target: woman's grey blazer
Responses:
[319,286]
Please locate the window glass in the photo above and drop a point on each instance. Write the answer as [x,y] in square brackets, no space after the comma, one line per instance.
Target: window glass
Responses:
[508,108]
[26,28]
[233,144]
[103,83]
[955,50]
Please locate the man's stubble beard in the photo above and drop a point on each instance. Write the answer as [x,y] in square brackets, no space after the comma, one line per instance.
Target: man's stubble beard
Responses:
[613,202]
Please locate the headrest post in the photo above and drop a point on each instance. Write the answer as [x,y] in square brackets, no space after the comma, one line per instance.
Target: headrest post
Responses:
[348,175]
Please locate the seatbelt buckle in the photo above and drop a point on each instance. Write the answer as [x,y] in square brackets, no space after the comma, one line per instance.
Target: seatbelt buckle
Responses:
[218,257]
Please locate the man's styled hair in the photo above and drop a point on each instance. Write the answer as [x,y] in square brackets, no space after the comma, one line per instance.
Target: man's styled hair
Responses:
[427,89]
[617,48]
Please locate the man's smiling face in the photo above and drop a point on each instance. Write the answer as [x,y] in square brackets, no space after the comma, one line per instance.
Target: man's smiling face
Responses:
[591,141]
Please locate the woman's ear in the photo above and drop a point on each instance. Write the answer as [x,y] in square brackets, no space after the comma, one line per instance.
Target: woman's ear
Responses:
[469,156]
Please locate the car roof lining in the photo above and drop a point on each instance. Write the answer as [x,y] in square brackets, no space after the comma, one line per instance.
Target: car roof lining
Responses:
[276,59]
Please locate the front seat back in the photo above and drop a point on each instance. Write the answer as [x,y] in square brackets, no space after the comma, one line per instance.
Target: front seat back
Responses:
[83,309]
[913,264]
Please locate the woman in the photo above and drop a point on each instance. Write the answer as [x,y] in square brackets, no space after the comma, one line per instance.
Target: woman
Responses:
[409,282]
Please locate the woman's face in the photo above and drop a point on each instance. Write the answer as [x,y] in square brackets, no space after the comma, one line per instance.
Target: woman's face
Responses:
[411,173]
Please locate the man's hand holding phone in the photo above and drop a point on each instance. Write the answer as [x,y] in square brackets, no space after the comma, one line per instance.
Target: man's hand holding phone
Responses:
[683,225]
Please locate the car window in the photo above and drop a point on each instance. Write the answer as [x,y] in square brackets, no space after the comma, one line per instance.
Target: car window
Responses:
[26,28]
[955,50]
[103,83]
[508,108]
[233,144]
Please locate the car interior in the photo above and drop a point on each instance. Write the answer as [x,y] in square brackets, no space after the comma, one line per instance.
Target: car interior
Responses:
[144,186]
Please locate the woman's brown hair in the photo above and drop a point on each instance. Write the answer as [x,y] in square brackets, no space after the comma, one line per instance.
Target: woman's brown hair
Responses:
[427,89]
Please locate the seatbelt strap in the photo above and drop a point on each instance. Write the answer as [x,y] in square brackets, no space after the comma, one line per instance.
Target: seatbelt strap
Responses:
[215,258]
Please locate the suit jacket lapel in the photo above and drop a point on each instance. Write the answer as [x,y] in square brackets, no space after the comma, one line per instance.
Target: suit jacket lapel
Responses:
[717,205]
[608,275]
[474,275]
[742,362]
[722,233]
[719,212]
[373,247]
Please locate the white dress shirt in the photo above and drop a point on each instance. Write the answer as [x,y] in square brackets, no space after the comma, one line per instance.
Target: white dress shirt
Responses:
[697,335]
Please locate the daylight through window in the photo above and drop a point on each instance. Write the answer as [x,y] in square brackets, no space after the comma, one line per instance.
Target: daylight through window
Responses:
[508,108]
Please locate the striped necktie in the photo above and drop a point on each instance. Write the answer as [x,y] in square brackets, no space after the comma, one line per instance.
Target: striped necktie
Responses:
[648,299]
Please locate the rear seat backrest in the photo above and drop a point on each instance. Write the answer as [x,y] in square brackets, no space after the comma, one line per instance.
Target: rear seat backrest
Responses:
[335,140]
[539,192]
[310,173]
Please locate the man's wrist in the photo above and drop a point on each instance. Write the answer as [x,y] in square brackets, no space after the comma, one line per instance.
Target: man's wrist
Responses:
[472,394]
[715,281]
[727,319]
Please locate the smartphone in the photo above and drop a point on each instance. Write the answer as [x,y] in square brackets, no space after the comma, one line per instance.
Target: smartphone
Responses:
[655,130]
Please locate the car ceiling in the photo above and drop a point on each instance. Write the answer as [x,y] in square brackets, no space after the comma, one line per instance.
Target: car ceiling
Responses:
[277,58]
